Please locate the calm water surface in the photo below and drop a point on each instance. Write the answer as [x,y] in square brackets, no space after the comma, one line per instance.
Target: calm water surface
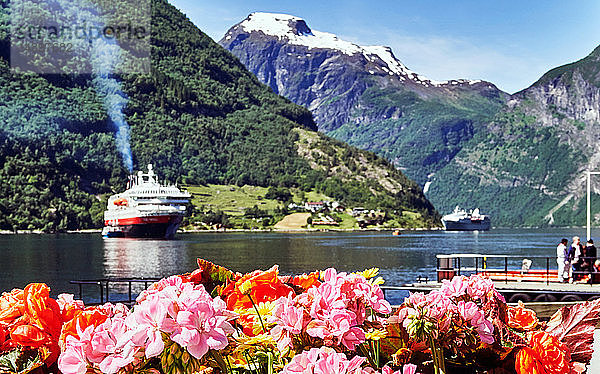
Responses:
[56,260]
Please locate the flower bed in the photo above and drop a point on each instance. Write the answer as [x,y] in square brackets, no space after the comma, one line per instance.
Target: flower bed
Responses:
[216,321]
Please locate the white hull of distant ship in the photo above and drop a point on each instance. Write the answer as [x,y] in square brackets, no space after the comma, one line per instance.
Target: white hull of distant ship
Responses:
[461,220]
[146,209]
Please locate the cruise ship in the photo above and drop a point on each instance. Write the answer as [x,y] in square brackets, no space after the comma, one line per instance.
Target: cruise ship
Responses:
[146,209]
[461,220]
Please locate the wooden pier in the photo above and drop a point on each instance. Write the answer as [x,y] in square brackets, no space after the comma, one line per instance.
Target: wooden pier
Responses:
[538,287]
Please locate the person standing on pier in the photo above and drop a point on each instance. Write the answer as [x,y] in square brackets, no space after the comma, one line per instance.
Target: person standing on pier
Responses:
[562,260]
[589,256]
[573,257]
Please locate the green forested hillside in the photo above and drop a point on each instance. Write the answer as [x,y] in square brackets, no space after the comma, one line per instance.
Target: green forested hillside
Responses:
[199,117]
[527,165]
[429,132]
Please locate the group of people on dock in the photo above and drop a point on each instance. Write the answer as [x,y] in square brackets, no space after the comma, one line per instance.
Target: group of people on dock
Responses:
[577,262]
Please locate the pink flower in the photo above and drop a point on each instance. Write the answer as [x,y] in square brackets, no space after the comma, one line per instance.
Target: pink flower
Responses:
[468,310]
[338,328]
[409,369]
[175,281]
[472,314]
[186,312]
[479,286]
[416,299]
[108,346]
[438,304]
[323,361]
[147,321]
[111,342]
[353,337]
[112,310]
[289,321]
[67,301]
[356,287]
[303,363]
[326,297]
[332,277]
[454,288]
[202,322]
[72,360]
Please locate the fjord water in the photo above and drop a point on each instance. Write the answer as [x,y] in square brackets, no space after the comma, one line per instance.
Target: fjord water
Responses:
[56,260]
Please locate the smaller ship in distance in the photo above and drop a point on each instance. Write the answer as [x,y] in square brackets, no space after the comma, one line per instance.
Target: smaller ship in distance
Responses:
[461,220]
[146,209]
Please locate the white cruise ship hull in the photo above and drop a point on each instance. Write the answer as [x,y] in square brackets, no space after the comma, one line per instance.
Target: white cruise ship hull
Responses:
[467,225]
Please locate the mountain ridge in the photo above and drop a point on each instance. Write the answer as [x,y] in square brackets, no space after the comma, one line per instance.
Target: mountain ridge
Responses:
[364,95]
[536,149]
[518,157]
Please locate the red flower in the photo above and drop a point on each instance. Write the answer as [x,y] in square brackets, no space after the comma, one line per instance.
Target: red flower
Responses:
[306,281]
[260,285]
[545,355]
[31,319]
[83,319]
[43,311]
[12,305]
[521,318]
[30,336]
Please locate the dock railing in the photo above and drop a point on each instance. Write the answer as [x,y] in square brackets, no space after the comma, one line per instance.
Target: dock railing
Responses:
[510,268]
[114,286]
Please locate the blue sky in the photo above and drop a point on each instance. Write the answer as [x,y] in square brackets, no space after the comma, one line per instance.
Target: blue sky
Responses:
[509,43]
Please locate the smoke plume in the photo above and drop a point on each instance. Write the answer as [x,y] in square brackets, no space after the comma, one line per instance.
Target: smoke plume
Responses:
[105,56]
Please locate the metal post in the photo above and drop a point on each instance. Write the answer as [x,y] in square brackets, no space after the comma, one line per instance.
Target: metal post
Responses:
[505,269]
[129,292]
[107,299]
[101,292]
[459,266]
[547,270]
[589,214]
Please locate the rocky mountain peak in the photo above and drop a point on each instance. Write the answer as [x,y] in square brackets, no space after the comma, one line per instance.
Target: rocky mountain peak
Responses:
[364,94]
[276,24]
[291,30]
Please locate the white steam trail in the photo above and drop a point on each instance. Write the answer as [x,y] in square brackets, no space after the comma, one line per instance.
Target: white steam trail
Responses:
[105,56]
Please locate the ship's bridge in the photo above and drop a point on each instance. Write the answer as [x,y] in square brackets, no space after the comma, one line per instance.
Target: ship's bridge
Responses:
[145,189]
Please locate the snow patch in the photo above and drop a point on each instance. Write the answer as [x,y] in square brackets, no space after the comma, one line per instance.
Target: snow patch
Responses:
[282,26]
[426,187]
[279,25]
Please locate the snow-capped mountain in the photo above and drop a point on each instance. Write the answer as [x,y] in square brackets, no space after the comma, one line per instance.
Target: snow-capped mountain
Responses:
[294,30]
[521,157]
[363,94]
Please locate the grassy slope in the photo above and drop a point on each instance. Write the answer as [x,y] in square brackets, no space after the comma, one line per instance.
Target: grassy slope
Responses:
[234,200]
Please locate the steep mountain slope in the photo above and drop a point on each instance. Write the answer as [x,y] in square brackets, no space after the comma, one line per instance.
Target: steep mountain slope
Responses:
[364,95]
[527,166]
[199,116]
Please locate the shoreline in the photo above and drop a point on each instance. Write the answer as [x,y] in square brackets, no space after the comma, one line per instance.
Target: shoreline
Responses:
[299,230]
[198,231]
[273,230]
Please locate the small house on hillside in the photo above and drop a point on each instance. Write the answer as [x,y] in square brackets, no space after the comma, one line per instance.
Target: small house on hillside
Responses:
[314,206]
[358,211]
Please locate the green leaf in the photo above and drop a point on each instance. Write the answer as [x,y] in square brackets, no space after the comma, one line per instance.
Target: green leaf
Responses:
[574,325]
[20,361]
